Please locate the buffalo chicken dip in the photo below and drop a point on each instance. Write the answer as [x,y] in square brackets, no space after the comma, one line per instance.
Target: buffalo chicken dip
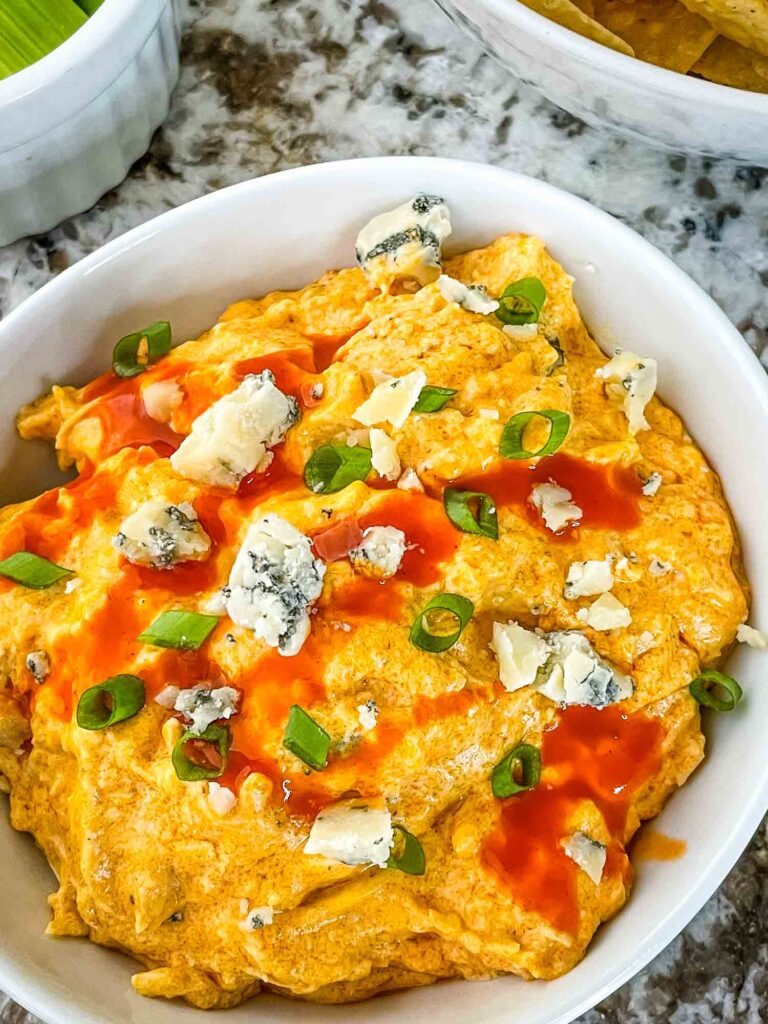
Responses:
[372,625]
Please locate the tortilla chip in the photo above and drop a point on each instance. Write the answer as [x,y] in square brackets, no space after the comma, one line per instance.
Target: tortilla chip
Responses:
[570,16]
[743,21]
[727,63]
[662,32]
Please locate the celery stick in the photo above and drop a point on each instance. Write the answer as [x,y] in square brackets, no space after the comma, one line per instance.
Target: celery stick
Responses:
[90,6]
[29,29]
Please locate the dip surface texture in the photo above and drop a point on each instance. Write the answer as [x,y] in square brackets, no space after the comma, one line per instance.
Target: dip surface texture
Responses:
[315,589]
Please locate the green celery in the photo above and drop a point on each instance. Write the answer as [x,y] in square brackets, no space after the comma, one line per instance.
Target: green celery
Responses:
[90,6]
[29,29]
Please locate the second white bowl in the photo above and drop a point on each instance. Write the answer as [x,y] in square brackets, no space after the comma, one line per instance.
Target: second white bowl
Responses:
[603,87]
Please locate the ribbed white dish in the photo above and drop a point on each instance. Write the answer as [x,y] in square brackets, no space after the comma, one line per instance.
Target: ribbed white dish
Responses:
[663,108]
[72,124]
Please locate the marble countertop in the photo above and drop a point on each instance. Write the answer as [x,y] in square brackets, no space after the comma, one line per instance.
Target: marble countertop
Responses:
[270,84]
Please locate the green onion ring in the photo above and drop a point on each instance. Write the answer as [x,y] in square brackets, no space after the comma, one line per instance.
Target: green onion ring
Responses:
[432,399]
[113,701]
[409,857]
[125,356]
[503,782]
[511,444]
[521,302]
[217,736]
[458,508]
[460,607]
[703,686]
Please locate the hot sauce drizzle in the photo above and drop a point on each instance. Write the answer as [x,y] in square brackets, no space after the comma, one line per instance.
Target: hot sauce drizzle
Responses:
[600,756]
[293,369]
[532,825]
[607,494]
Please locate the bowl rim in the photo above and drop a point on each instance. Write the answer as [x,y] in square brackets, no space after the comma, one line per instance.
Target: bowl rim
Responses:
[631,70]
[43,998]
[42,95]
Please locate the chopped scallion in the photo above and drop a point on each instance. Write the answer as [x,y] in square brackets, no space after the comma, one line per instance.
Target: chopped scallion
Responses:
[408,853]
[113,701]
[517,772]
[706,685]
[521,302]
[472,512]
[428,636]
[210,749]
[135,352]
[32,571]
[432,399]
[186,631]
[511,444]
[306,739]
[332,467]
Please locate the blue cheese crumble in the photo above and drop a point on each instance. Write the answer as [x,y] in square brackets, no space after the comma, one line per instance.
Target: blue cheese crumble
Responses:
[391,400]
[161,535]
[273,584]
[200,705]
[234,436]
[255,918]
[588,854]
[404,244]
[380,552]
[352,833]
[39,665]
[633,380]
[562,666]
[473,297]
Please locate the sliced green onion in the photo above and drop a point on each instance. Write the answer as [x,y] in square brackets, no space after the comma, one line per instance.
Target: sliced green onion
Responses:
[216,737]
[332,467]
[704,686]
[521,301]
[432,399]
[186,631]
[112,701]
[459,609]
[472,512]
[511,444]
[306,739]
[134,353]
[523,762]
[407,853]
[32,570]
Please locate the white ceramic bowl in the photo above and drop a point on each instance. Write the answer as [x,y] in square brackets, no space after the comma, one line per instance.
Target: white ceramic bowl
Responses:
[603,87]
[72,124]
[283,231]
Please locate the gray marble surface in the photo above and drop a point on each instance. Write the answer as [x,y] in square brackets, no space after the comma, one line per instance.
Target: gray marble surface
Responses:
[270,84]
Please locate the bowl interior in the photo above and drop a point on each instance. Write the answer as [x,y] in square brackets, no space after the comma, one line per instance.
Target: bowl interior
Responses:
[282,231]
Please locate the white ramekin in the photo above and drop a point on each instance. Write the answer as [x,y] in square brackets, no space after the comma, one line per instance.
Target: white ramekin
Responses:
[73,123]
[665,109]
[281,231]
